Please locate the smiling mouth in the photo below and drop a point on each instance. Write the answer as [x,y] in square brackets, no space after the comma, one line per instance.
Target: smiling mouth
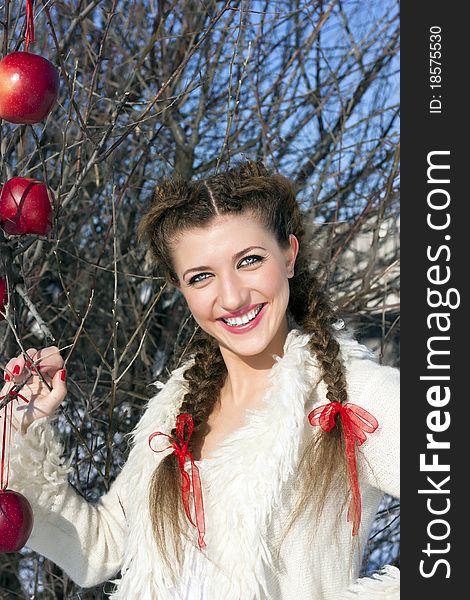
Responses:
[239,321]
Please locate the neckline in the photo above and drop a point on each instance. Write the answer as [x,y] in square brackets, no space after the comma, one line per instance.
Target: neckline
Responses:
[295,340]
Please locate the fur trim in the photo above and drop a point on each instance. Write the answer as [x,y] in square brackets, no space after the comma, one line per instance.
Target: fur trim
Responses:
[384,585]
[37,467]
[238,501]
[143,573]
[244,482]
[351,348]
[243,499]
[237,510]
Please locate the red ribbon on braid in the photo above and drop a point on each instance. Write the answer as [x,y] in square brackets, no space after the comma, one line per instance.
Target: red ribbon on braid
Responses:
[7,421]
[29,24]
[356,423]
[180,449]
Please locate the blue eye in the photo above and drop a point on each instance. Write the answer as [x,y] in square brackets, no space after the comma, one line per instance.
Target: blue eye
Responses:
[253,256]
[196,279]
[248,261]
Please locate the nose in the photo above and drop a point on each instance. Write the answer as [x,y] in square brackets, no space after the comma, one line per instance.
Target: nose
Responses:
[232,294]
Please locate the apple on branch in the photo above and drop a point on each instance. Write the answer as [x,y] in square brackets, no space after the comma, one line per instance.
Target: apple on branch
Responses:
[25,207]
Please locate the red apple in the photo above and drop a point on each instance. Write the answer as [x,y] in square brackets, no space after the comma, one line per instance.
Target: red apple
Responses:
[25,207]
[16,521]
[3,296]
[29,86]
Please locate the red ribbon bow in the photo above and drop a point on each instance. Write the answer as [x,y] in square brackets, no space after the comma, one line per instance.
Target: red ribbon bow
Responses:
[356,423]
[180,448]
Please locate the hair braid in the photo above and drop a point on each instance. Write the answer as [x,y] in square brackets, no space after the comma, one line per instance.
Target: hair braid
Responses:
[205,377]
[313,312]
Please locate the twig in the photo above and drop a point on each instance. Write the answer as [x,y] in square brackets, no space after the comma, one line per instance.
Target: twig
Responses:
[39,320]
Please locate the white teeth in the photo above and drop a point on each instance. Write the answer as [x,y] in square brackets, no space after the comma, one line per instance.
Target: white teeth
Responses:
[245,319]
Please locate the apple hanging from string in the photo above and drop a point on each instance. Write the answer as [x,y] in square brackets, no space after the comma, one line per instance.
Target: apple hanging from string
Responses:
[29,83]
[28,91]
[25,207]
[29,87]
[16,514]
[16,520]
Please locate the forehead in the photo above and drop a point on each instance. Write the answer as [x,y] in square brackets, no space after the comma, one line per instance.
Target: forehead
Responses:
[224,235]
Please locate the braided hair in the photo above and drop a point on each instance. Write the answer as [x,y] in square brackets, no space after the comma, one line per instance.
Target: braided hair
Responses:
[178,206]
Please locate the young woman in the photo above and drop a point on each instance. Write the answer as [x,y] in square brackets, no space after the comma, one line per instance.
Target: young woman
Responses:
[257,469]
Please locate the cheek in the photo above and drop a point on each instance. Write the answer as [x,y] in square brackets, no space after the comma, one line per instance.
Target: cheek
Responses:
[198,304]
[276,281]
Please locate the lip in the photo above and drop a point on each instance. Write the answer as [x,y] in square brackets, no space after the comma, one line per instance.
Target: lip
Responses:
[240,313]
[248,326]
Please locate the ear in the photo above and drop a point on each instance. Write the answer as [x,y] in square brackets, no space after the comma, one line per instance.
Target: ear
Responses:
[291,255]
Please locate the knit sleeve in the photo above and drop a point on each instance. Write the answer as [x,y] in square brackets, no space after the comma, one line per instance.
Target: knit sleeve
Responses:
[85,539]
[377,389]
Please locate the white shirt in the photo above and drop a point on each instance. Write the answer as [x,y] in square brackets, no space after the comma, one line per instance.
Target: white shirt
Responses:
[248,495]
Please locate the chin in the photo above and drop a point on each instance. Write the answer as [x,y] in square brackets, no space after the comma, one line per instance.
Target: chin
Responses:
[246,350]
[255,345]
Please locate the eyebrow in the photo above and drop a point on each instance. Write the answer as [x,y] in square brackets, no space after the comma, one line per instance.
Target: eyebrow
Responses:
[234,257]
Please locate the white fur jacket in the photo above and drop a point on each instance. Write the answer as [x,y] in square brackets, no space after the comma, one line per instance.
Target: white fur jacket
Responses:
[248,488]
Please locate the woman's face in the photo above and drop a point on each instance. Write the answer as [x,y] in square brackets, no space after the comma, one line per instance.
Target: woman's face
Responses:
[234,277]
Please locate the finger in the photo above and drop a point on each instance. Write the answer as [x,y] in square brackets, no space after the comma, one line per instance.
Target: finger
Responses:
[15,366]
[15,403]
[59,389]
[49,360]
[49,404]
[6,388]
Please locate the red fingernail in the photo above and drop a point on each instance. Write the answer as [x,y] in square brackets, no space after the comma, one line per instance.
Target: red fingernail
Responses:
[16,370]
[28,362]
[62,374]
[6,377]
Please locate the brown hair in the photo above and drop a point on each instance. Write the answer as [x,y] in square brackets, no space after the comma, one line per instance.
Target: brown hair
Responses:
[178,206]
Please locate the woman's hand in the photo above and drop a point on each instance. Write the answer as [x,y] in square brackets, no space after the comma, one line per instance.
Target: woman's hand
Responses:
[42,401]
